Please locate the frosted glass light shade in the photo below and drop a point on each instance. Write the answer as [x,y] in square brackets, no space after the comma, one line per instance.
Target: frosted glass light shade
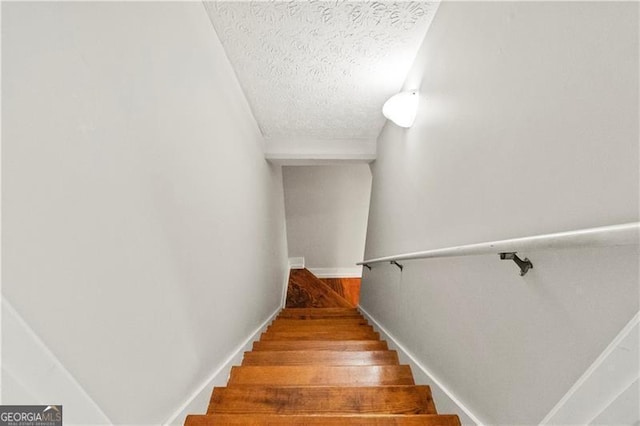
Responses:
[402,108]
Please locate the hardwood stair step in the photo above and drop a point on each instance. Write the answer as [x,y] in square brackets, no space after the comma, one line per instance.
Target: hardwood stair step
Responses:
[320,310]
[319,313]
[310,328]
[321,335]
[322,400]
[319,316]
[331,420]
[321,345]
[319,375]
[321,357]
[320,322]
[294,324]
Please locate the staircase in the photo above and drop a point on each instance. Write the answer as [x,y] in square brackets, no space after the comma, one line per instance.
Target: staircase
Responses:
[320,365]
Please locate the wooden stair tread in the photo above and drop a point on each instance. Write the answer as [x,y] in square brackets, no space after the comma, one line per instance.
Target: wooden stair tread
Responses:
[320,345]
[319,311]
[315,323]
[310,328]
[320,335]
[319,375]
[321,357]
[305,313]
[303,316]
[328,420]
[322,399]
[319,322]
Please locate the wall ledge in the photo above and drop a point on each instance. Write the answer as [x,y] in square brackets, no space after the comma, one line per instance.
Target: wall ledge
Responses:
[602,384]
[355,272]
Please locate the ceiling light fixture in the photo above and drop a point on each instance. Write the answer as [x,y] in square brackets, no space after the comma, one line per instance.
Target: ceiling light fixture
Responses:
[402,108]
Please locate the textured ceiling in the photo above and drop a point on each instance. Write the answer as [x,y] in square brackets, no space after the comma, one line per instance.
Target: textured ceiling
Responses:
[320,69]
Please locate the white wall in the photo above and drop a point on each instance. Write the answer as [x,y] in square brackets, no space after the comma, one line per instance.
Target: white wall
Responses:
[528,124]
[326,210]
[143,231]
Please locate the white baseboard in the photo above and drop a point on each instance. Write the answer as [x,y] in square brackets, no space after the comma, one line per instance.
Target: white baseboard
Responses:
[355,272]
[199,398]
[285,287]
[438,389]
[296,263]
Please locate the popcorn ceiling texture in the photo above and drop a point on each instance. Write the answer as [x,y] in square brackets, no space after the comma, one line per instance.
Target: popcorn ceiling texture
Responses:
[320,69]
